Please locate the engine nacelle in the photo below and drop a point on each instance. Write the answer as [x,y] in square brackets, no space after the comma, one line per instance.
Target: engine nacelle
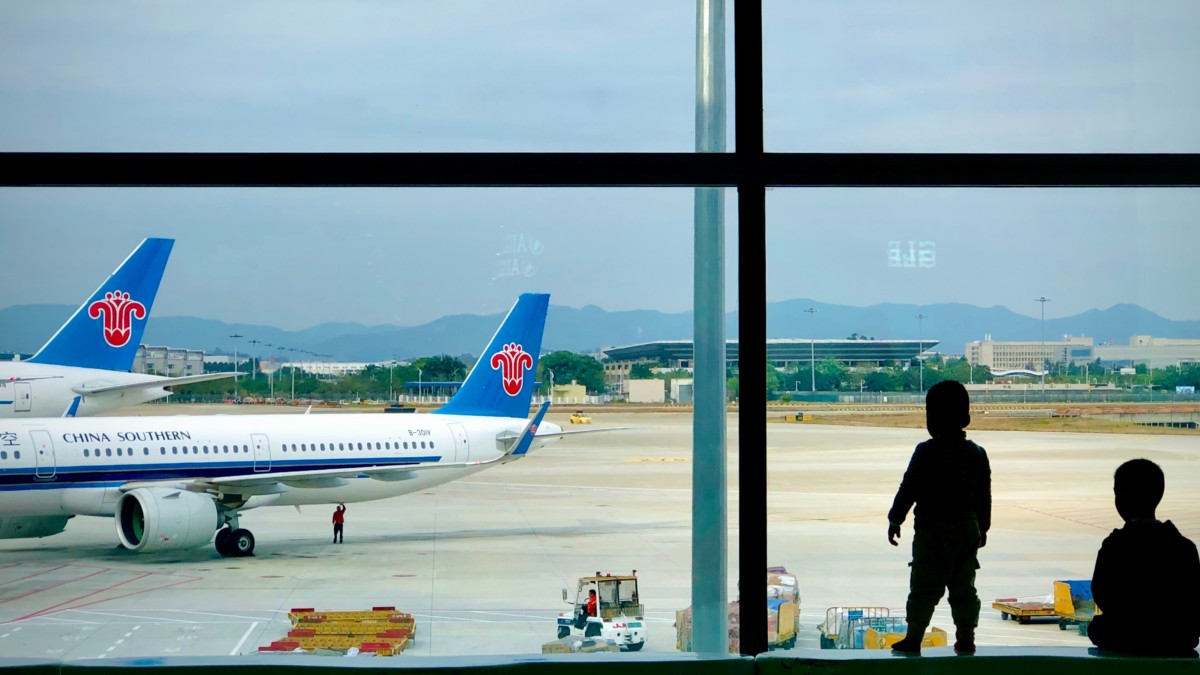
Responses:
[24,527]
[164,519]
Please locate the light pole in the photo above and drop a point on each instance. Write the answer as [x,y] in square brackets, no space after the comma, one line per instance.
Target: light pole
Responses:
[253,365]
[921,349]
[391,369]
[551,371]
[292,367]
[812,350]
[235,337]
[1043,300]
[270,363]
[419,376]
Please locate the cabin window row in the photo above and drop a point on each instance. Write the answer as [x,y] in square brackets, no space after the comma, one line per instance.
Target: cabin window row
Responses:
[386,445]
[4,454]
[175,450]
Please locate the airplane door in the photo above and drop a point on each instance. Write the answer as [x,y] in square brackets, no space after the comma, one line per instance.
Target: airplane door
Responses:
[462,448]
[23,401]
[262,452]
[43,455]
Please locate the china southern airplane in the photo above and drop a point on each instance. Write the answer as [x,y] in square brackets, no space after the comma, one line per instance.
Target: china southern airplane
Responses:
[172,482]
[84,368]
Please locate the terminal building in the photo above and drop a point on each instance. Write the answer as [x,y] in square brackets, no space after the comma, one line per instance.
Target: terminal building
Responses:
[1155,352]
[781,352]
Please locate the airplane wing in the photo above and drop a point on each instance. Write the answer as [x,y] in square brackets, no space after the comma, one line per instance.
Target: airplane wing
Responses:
[152,384]
[571,432]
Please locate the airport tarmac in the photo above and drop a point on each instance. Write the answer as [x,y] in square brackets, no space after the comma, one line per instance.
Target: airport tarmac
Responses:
[481,563]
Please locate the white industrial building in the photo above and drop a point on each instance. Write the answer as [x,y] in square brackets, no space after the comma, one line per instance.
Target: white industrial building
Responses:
[1155,352]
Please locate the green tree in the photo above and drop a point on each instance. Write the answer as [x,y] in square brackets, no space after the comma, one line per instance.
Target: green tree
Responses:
[568,366]
[830,375]
[880,380]
[641,371]
[772,379]
[441,368]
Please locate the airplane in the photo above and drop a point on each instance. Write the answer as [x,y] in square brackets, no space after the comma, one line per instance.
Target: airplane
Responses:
[173,482]
[84,368]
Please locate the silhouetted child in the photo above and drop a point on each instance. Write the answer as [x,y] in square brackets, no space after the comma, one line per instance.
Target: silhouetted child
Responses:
[950,481]
[1142,571]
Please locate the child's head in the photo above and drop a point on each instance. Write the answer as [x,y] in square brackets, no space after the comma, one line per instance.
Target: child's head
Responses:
[947,408]
[1138,485]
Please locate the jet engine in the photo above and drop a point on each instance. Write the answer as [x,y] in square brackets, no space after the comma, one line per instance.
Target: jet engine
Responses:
[24,527]
[164,519]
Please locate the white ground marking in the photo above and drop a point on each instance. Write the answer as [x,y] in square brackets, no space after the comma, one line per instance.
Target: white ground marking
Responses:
[245,636]
[230,616]
[132,616]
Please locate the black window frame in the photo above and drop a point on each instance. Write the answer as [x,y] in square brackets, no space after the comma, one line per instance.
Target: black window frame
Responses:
[748,168]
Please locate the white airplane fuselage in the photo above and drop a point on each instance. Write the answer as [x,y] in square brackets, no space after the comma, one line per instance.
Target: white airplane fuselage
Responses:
[44,390]
[82,466]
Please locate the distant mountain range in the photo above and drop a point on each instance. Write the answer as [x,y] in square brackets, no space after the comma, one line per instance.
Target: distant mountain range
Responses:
[24,328]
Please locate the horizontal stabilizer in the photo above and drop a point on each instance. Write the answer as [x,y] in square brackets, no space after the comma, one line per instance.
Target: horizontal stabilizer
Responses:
[152,384]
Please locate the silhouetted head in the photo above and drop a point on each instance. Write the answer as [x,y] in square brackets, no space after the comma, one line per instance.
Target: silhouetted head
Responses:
[591,592]
[1138,486]
[947,408]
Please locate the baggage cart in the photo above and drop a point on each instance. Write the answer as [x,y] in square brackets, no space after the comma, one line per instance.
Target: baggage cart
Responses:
[1023,611]
[1073,604]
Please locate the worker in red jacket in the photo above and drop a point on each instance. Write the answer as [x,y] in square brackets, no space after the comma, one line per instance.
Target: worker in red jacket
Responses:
[339,521]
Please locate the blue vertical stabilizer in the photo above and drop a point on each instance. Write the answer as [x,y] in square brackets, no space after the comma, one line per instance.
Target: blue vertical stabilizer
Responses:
[501,383]
[106,330]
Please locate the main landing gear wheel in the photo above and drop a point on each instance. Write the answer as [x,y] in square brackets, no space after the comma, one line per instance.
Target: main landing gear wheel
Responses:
[234,543]
[222,542]
[242,542]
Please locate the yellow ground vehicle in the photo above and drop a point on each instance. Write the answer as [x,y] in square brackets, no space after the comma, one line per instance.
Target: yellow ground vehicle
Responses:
[620,615]
[579,417]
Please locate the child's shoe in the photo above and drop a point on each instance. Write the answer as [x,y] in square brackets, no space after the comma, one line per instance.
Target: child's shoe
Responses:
[907,646]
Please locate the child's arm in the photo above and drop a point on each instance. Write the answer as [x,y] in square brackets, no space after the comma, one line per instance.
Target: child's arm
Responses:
[983,508]
[906,496]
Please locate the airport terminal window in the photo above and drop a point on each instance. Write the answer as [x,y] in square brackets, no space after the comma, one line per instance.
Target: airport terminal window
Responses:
[851,508]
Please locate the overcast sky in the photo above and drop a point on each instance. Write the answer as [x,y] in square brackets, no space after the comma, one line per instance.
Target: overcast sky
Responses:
[1081,76]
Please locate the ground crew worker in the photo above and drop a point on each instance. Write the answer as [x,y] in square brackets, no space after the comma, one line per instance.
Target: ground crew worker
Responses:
[949,480]
[589,609]
[339,521]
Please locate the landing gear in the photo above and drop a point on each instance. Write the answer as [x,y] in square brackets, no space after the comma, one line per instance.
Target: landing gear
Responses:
[232,541]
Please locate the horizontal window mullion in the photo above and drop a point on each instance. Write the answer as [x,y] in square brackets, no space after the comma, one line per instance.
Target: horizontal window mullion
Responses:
[596,170]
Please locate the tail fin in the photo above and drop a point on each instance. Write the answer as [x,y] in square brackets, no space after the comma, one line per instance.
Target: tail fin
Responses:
[106,330]
[501,383]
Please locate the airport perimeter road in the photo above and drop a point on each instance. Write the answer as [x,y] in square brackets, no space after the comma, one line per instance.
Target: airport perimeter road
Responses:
[482,562]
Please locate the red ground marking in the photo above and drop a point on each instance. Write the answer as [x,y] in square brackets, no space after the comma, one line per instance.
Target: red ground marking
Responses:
[13,581]
[61,583]
[126,595]
[80,597]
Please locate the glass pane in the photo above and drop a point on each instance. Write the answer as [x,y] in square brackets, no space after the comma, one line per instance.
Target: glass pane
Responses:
[935,76]
[465,75]
[345,300]
[863,281]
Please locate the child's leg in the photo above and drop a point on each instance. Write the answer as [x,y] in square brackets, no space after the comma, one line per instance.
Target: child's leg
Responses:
[927,582]
[964,599]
